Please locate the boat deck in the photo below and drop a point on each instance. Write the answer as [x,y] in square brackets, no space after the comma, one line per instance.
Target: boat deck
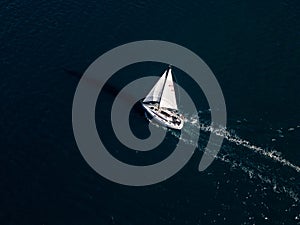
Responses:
[166,114]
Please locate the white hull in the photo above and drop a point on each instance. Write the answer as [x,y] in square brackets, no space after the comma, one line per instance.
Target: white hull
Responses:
[164,117]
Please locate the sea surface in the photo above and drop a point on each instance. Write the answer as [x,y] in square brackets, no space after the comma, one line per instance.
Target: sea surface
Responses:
[252,47]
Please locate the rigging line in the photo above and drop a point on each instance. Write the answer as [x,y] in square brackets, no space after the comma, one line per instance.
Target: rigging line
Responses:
[164,86]
[177,88]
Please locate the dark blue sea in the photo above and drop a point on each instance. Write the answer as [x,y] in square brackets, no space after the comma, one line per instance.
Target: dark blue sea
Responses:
[252,47]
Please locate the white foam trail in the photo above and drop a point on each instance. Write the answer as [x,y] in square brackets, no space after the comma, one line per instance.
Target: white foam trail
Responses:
[274,155]
[277,184]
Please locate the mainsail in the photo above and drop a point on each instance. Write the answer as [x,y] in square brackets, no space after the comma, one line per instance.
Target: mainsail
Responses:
[168,97]
[156,92]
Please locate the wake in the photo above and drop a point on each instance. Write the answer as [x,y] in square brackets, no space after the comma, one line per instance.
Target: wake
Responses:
[279,182]
[273,154]
[233,138]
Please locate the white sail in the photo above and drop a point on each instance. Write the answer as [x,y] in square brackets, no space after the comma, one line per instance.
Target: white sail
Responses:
[156,92]
[168,97]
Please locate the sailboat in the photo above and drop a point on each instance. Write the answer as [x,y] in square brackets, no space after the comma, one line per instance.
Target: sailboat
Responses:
[161,102]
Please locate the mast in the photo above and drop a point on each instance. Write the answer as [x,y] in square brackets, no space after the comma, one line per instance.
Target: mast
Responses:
[165,81]
[168,96]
